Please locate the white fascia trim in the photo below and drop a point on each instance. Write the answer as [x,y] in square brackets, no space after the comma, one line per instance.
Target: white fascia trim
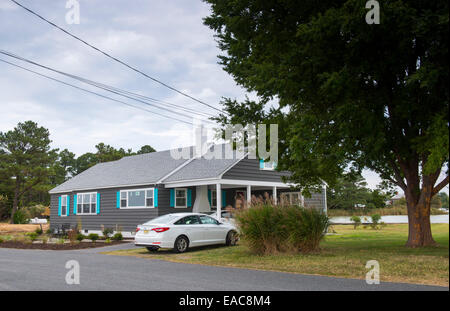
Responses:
[213,181]
[104,187]
[192,182]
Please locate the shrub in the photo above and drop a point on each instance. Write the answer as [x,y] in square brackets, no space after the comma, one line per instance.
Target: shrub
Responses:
[306,227]
[39,231]
[270,228]
[107,232]
[32,235]
[80,237]
[72,235]
[375,220]
[108,240]
[49,231]
[117,237]
[1,240]
[37,210]
[93,237]
[356,221]
[20,217]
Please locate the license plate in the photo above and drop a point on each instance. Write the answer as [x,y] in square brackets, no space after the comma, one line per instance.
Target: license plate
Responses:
[145,231]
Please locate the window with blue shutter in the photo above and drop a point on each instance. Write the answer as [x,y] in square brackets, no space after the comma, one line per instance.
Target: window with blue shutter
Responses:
[59,206]
[224,198]
[261,164]
[189,198]
[98,203]
[74,204]
[155,195]
[172,197]
[68,206]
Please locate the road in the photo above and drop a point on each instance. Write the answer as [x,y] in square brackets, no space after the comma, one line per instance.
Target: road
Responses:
[45,270]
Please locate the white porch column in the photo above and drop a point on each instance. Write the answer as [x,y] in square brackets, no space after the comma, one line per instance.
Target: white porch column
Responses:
[219,201]
[274,194]
[201,204]
[249,195]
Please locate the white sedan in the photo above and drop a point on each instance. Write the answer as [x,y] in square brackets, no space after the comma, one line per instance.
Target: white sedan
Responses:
[183,230]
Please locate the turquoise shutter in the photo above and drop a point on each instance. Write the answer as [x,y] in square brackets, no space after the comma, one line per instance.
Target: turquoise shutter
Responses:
[172,197]
[155,197]
[59,206]
[189,198]
[261,163]
[98,203]
[118,199]
[74,204]
[209,196]
[68,206]
[224,198]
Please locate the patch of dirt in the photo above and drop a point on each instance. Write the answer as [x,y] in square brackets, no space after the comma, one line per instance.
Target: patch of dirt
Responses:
[55,246]
[10,228]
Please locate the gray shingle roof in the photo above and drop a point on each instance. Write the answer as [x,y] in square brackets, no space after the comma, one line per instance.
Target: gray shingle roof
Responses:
[148,168]
[133,170]
[206,168]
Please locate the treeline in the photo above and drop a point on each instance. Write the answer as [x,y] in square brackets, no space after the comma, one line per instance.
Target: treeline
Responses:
[351,193]
[29,167]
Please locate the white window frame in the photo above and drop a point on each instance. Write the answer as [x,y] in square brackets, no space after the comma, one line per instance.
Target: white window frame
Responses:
[271,168]
[300,197]
[175,198]
[65,214]
[145,199]
[82,194]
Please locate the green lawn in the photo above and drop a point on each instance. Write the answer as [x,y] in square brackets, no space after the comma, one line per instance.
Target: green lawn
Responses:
[342,255]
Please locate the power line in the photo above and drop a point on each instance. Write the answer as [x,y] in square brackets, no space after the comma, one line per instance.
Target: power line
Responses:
[114,58]
[100,85]
[94,93]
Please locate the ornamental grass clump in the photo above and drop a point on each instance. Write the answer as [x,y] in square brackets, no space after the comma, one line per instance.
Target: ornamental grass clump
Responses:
[270,228]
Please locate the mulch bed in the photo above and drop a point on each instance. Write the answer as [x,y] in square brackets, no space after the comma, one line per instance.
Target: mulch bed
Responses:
[56,246]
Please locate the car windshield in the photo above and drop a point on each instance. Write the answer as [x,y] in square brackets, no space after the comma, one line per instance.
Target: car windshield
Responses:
[162,219]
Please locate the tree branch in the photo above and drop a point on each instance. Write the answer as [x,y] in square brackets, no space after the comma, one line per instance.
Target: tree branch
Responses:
[441,185]
[398,176]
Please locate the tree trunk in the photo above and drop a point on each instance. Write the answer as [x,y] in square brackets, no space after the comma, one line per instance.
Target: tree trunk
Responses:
[15,200]
[419,221]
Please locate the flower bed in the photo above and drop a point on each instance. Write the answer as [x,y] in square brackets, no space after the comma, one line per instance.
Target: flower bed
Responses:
[56,246]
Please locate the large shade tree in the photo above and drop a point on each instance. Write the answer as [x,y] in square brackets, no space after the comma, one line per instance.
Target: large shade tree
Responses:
[350,94]
[26,159]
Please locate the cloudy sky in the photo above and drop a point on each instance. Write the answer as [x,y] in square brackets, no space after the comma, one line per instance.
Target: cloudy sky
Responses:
[165,39]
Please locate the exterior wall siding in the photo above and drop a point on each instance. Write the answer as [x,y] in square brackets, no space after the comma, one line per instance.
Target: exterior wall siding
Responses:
[317,200]
[110,216]
[248,169]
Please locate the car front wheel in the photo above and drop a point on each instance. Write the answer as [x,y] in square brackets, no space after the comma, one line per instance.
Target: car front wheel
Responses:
[181,244]
[232,238]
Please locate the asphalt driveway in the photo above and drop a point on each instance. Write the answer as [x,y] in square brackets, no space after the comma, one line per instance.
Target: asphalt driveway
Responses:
[45,270]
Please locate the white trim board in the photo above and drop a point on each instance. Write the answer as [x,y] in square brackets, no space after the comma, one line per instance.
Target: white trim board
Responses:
[213,181]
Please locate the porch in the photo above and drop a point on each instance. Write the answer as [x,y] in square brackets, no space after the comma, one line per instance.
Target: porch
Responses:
[217,194]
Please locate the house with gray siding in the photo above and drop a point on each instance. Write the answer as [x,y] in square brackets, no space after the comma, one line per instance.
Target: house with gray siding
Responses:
[124,193]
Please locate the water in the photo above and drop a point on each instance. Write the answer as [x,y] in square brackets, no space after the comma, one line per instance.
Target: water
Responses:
[390,219]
